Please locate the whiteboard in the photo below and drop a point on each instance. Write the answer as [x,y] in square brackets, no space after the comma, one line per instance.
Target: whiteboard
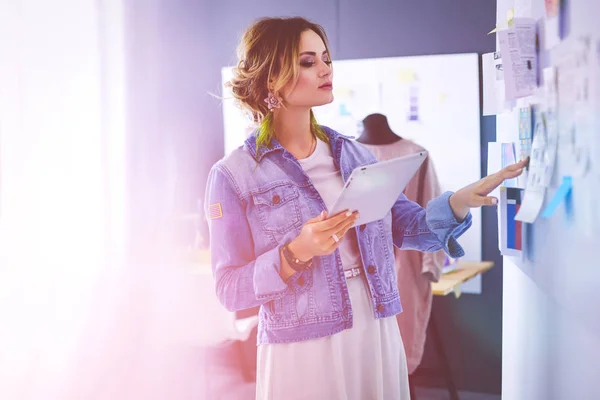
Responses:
[432,100]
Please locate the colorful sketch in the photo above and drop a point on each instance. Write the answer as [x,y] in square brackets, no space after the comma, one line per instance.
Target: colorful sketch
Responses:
[525,132]
[413,101]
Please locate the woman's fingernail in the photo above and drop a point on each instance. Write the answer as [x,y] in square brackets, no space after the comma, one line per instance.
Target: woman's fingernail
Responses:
[348,213]
[494,200]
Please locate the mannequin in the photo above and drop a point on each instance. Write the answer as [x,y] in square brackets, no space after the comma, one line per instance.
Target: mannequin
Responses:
[377,131]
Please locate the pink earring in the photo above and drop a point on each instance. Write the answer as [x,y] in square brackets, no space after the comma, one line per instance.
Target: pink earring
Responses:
[272,101]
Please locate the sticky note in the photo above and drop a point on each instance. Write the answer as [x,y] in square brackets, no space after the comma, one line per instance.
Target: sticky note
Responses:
[406,76]
[510,15]
[561,195]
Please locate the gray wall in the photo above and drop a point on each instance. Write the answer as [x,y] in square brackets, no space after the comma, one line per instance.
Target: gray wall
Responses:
[186,133]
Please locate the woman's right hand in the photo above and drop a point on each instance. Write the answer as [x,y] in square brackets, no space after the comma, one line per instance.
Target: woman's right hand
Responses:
[317,235]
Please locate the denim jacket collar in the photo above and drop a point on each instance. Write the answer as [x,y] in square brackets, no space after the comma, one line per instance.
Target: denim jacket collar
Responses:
[250,143]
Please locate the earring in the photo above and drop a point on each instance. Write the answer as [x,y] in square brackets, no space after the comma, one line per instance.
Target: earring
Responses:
[272,101]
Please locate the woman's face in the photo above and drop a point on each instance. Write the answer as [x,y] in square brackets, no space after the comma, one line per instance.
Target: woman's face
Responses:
[314,85]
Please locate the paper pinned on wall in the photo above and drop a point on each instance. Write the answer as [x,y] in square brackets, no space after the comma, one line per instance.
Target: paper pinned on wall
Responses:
[543,151]
[522,8]
[525,132]
[518,49]
[532,204]
[525,129]
[493,84]
[550,91]
[551,33]
[551,24]
[509,158]
[550,119]
[501,155]
[541,169]
[576,130]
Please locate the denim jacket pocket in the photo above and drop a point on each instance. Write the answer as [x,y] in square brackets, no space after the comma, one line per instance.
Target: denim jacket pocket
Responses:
[297,303]
[301,281]
[281,312]
[278,208]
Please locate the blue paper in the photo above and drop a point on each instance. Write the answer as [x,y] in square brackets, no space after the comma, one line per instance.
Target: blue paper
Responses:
[511,226]
[561,195]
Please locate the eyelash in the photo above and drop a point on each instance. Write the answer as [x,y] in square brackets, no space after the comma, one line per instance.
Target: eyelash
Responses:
[308,64]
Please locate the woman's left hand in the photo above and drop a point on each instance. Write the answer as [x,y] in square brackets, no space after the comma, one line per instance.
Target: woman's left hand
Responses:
[476,194]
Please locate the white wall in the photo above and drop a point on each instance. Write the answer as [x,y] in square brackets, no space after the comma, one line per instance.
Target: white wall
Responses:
[551,322]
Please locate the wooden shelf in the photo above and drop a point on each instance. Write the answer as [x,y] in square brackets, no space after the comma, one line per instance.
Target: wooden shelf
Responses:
[451,281]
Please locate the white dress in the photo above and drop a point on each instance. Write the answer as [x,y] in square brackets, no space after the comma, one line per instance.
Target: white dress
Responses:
[366,362]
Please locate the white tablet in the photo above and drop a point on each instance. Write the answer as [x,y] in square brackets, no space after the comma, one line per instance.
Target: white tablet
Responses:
[373,189]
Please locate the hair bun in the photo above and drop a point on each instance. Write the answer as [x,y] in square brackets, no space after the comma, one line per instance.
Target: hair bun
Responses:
[260,59]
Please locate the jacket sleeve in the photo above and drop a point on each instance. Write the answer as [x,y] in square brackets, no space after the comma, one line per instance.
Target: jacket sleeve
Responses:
[243,280]
[428,229]
[429,188]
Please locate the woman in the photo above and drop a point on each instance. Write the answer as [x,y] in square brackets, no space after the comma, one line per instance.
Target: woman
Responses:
[327,293]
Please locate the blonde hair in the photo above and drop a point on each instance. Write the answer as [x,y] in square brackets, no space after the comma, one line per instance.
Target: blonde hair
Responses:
[268,59]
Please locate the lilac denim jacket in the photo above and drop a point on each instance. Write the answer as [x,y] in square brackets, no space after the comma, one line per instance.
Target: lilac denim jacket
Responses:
[255,203]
